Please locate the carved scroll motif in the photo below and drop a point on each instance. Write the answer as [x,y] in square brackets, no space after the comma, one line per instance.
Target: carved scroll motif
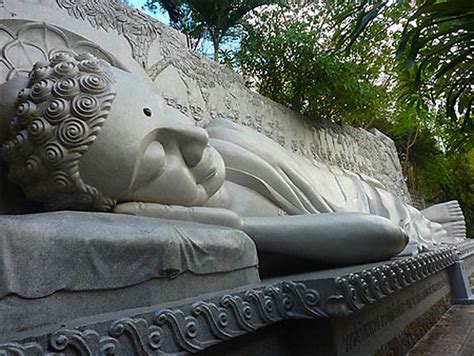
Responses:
[368,286]
[187,329]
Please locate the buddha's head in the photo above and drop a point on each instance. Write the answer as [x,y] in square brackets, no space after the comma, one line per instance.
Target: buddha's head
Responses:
[87,135]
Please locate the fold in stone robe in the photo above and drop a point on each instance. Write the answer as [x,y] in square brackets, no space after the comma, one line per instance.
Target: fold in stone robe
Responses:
[299,185]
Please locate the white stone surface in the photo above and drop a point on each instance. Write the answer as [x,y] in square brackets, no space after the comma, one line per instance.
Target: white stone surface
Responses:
[33,29]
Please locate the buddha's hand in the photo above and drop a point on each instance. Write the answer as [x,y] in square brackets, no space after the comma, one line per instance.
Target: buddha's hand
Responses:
[203,215]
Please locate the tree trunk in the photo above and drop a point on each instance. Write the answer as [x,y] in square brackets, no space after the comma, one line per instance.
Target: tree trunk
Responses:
[215,42]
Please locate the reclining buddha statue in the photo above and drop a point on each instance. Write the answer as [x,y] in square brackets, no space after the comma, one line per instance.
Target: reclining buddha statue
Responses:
[88,136]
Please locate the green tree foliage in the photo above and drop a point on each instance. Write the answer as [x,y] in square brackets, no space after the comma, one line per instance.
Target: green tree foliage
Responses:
[440,176]
[435,50]
[437,58]
[182,18]
[290,62]
[216,18]
[435,81]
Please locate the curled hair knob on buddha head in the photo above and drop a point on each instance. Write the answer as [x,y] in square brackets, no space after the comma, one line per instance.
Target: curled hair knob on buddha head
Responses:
[58,115]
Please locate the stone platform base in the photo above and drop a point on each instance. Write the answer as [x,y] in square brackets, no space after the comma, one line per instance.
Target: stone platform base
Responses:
[381,308]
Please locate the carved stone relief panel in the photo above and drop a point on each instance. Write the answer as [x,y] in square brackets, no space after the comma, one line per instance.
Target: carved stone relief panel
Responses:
[24,43]
[173,89]
[135,26]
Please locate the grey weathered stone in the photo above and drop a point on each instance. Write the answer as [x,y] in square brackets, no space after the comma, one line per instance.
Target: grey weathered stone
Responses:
[65,265]
[77,251]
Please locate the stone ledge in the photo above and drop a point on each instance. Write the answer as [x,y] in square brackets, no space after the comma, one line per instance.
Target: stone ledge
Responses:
[196,324]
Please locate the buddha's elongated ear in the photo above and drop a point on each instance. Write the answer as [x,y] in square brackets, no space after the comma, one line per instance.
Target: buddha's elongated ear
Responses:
[58,115]
[8,99]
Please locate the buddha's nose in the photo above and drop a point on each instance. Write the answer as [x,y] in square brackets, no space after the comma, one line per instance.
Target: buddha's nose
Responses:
[194,142]
[191,140]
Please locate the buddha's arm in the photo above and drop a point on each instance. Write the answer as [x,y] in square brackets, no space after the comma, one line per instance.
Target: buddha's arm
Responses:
[203,215]
[333,238]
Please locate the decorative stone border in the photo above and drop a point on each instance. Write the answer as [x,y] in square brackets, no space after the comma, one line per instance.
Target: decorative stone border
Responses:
[368,286]
[196,325]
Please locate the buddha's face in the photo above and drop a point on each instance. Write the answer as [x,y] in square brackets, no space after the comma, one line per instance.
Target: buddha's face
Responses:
[149,152]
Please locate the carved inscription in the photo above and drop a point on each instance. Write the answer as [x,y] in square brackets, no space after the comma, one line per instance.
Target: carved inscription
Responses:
[413,332]
[361,331]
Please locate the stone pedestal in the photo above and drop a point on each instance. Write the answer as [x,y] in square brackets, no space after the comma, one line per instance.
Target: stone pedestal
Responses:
[379,308]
